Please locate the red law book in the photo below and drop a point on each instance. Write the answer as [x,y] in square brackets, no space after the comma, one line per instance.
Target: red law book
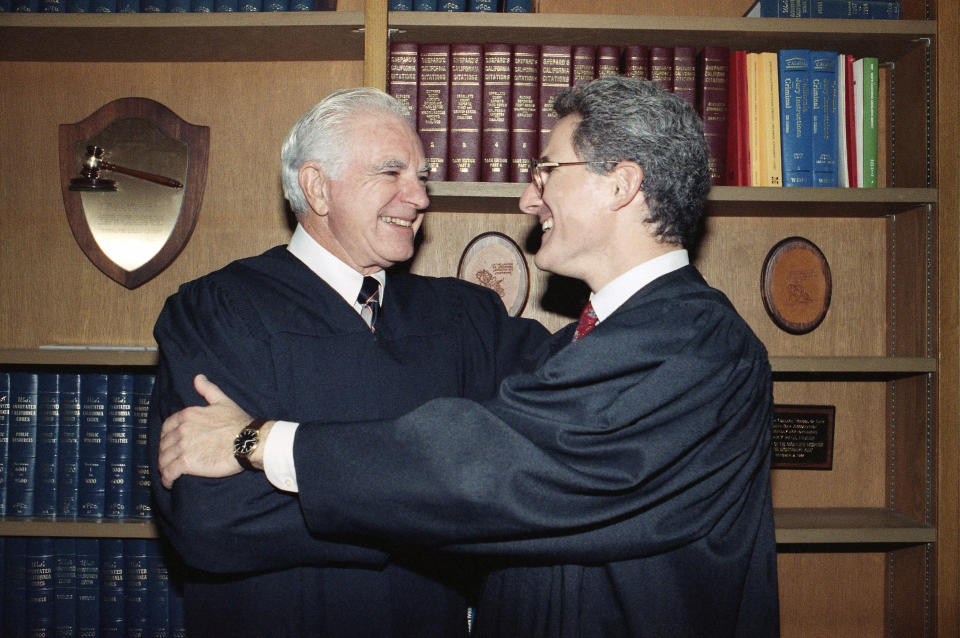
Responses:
[495,130]
[433,106]
[661,66]
[685,73]
[608,60]
[524,110]
[466,95]
[402,76]
[556,66]
[636,61]
[584,63]
[851,121]
[738,127]
[712,104]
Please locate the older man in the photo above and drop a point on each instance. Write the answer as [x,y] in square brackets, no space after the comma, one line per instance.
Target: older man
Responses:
[623,484]
[296,332]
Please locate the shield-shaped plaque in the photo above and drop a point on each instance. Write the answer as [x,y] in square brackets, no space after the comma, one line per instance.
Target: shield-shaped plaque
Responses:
[134,220]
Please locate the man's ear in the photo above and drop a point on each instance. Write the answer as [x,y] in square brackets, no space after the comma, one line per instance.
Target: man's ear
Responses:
[313,183]
[628,183]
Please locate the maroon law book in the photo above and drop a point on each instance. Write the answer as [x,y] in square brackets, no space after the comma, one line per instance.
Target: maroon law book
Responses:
[685,73]
[524,110]
[584,63]
[465,112]
[713,86]
[636,61]
[608,60]
[402,76]
[495,129]
[661,66]
[556,67]
[433,106]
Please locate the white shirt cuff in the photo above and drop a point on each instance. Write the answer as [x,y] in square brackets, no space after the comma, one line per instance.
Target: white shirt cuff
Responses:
[278,456]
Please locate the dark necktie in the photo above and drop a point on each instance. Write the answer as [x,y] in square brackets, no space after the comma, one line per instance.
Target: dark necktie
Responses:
[588,319]
[369,299]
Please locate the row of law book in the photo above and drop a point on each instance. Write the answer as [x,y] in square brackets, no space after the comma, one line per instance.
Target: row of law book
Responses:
[74,445]
[483,6]
[162,6]
[798,117]
[833,9]
[85,587]
[483,110]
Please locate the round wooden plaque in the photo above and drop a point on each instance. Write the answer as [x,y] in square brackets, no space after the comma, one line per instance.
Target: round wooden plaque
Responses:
[795,285]
[494,261]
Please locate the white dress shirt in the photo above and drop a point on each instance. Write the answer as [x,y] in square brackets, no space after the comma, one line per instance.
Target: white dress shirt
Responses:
[278,451]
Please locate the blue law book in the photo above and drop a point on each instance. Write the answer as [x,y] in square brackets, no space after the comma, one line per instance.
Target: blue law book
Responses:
[4,438]
[120,482]
[796,141]
[103,6]
[88,587]
[142,391]
[112,606]
[516,6]
[201,6]
[276,5]
[4,6]
[834,9]
[250,5]
[25,6]
[65,588]
[68,445]
[302,5]
[175,570]
[400,5]
[48,426]
[158,591]
[78,6]
[226,6]
[482,6]
[153,6]
[22,448]
[15,586]
[452,5]
[52,6]
[426,5]
[92,470]
[178,6]
[39,590]
[825,122]
[135,574]
[128,6]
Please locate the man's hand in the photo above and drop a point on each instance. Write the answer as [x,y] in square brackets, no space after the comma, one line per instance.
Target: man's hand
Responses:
[199,440]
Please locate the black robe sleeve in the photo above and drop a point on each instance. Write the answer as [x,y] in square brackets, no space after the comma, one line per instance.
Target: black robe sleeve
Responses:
[238,524]
[650,433]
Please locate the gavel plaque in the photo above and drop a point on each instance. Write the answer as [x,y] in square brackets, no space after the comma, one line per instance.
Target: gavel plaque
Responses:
[134,224]
[795,285]
[494,261]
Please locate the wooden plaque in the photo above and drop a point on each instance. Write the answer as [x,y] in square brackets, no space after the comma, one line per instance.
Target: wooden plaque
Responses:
[795,285]
[803,437]
[494,261]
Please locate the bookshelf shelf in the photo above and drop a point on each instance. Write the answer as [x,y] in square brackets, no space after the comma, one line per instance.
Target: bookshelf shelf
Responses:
[79,356]
[182,37]
[78,528]
[857,37]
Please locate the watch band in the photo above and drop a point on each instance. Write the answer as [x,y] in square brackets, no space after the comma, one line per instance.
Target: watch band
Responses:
[252,427]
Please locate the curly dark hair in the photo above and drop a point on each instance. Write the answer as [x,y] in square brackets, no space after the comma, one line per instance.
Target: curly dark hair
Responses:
[637,120]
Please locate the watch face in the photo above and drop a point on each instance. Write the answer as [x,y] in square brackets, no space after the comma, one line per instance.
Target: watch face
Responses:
[246,442]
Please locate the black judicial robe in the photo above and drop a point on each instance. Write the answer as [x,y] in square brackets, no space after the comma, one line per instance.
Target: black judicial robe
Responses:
[623,485]
[280,341]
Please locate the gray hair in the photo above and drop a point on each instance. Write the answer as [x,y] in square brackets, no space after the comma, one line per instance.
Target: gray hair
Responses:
[637,120]
[320,136]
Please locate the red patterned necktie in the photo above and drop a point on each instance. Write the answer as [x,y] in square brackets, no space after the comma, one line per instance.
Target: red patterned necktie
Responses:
[588,319]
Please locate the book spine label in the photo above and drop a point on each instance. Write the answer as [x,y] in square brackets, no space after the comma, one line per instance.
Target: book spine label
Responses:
[433,106]
[119,484]
[402,77]
[482,6]
[68,442]
[497,97]
[608,60]
[23,444]
[556,66]
[685,73]
[425,5]
[400,5]
[466,95]
[854,9]
[713,103]
[823,109]
[795,117]
[93,446]
[636,61]
[524,110]
[4,438]
[584,63]
[142,392]
[517,6]
[48,424]
[661,66]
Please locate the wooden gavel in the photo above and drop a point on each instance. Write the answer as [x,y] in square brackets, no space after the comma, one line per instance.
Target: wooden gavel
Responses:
[94,163]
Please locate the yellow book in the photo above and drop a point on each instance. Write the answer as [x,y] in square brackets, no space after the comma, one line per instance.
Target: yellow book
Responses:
[753,118]
[771,173]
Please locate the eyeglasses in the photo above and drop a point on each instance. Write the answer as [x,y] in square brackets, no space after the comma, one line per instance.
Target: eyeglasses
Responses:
[540,170]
